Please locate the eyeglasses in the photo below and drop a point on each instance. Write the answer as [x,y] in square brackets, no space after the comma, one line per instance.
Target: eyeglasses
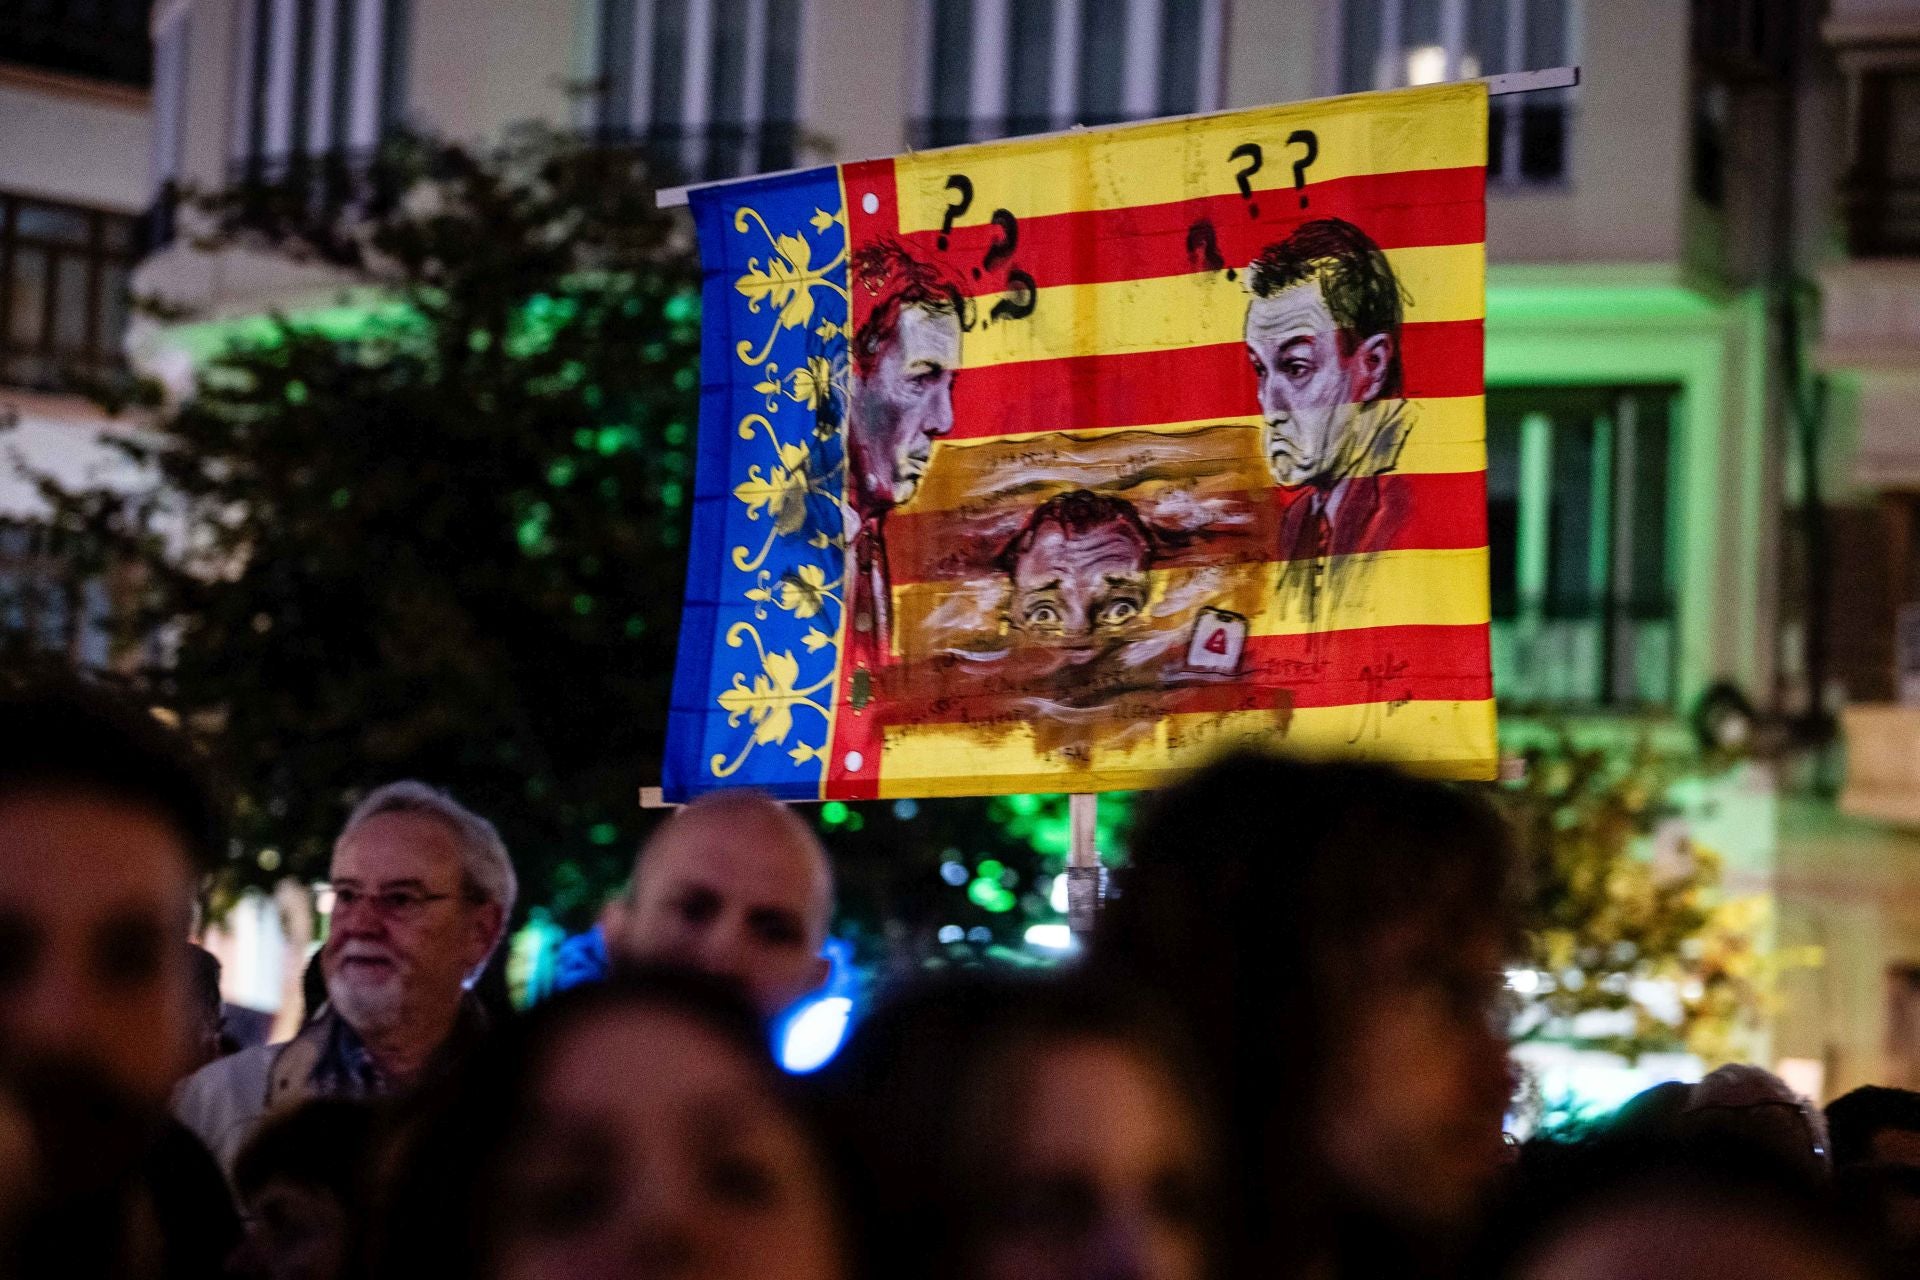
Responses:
[399,905]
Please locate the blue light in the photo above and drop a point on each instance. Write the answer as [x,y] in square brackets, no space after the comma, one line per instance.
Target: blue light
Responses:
[905,810]
[814,1033]
[955,873]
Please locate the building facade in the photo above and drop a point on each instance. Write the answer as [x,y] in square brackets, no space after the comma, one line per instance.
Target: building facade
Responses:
[1671,483]
[75,145]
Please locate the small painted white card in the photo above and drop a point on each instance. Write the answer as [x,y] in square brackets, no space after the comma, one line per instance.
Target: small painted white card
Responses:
[1218,638]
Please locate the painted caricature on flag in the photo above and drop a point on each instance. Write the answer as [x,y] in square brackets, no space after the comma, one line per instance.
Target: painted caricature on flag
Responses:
[1062,464]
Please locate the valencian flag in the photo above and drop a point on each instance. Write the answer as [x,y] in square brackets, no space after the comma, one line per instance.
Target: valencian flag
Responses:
[1062,464]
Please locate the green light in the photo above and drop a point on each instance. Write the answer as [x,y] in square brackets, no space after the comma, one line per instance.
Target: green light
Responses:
[532,530]
[683,379]
[676,433]
[833,813]
[991,895]
[672,494]
[990,870]
[296,392]
[1051,836]
[603,833]
[341,497]
[682,307]
[583,604]
[479,340]
[561,473]
[583,438]
[1026,806]
[636,626]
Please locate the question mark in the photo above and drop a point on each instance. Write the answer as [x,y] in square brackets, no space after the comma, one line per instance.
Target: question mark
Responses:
[1020,300]
[1251,150]
[964,185]
[1203,246]
[1312,142]
[1004,244]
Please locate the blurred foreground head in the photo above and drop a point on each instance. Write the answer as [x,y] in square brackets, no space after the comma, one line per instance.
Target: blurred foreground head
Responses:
[1335,935]
[735,884]
[105,827]
[1712,1205]
[303,1182]
[636,1127]
[1006,1128]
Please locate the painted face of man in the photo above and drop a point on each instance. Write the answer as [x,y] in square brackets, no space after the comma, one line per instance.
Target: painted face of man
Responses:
[1310,388]
[1076,589]
[902,405]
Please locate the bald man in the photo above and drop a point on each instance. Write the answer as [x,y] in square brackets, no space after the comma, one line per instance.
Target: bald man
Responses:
[734,884]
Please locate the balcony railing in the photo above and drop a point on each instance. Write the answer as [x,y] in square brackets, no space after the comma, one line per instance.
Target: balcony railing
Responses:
[1883,217]
[706,153]
[322,188]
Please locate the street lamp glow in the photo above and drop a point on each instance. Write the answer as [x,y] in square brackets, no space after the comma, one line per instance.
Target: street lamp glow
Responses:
[1051,937]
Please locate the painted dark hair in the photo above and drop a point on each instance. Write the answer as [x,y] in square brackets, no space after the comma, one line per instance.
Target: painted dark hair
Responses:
[1354,277]
[1076,512]
[896,280]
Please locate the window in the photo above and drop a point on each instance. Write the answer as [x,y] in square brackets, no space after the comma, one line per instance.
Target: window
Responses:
[1390,44]
[1000,68]
[1883,188]
[709,85]
[46,607]
[318,78]
[105,39]
[63,290]
[1577,483]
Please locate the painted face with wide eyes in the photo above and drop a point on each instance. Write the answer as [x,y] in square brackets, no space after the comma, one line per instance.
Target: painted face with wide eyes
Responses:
[1076,590]
[1310,384]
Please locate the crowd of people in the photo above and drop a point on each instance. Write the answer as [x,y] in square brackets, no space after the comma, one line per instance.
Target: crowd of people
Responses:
[1282,1054]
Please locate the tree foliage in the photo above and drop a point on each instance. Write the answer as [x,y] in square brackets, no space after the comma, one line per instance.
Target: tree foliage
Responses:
[443,540]
[1632,945]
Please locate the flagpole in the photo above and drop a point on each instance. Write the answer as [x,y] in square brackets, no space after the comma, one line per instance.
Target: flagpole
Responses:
[1497,86]
[1083,863]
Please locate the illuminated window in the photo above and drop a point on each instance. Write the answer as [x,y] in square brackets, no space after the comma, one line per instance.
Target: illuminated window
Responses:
[63,290]
[317,78]
[1577,509]
[708,85]
[1000,68]
[1390,44]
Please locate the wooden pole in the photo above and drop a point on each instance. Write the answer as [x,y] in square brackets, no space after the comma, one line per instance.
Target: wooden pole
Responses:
[1083,864]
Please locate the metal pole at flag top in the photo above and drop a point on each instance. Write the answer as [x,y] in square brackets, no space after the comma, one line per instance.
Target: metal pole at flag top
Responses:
[1497,86]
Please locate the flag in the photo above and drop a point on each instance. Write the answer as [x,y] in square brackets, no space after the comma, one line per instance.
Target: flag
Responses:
[1066,463]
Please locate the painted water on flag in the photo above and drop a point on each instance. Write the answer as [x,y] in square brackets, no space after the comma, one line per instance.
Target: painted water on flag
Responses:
[1062,464]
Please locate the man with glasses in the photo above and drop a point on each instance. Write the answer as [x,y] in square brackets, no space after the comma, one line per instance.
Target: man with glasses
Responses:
[422,888]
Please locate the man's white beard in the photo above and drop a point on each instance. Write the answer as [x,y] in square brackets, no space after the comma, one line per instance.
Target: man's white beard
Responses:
[369,1008]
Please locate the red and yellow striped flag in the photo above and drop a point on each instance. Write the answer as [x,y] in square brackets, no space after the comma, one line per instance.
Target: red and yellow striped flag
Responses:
[1141,442]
